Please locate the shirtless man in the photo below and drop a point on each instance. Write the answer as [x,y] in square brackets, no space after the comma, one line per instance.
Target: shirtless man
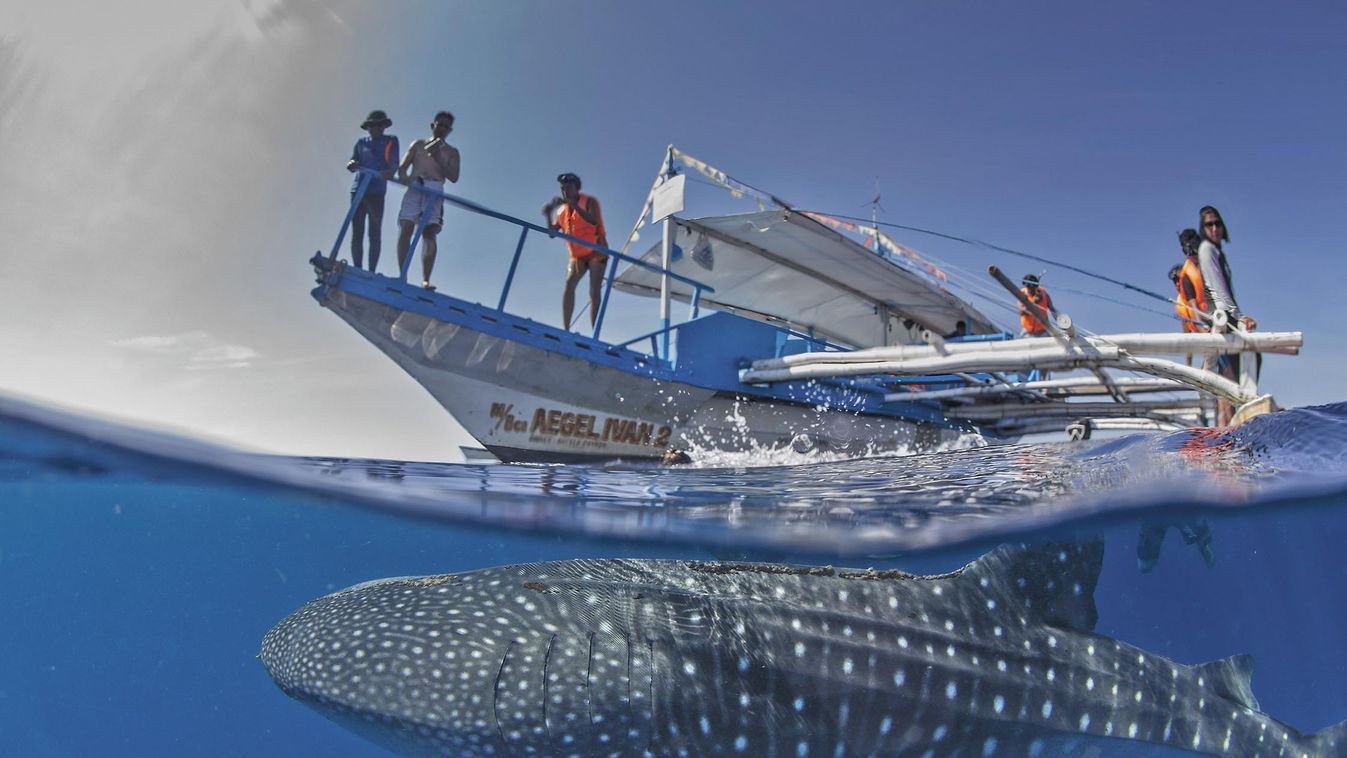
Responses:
[431,162]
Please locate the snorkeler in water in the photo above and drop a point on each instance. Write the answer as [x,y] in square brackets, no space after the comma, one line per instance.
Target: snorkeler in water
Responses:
[1194,532]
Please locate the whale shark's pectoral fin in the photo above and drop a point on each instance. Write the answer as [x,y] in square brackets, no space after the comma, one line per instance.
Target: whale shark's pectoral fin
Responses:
[1232,679]
[1053,582]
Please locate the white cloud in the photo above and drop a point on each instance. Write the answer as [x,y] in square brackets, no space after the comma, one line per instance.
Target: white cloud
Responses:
[195,351]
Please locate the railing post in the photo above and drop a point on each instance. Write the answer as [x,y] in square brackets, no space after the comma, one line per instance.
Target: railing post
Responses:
[696,301]
[607,290]
[514,263]
[350,214]
[666,247]
[1248,367]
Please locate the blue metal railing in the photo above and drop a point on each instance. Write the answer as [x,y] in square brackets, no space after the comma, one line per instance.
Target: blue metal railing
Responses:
[525,227]
[812,341]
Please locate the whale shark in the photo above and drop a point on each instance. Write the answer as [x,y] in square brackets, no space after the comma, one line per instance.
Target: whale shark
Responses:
[691,658]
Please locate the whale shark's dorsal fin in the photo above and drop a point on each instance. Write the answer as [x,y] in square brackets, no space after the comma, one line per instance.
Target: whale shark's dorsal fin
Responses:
[1053,582]
[1232,678]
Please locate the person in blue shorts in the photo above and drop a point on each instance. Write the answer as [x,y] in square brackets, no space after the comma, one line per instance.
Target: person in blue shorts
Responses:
[378,152]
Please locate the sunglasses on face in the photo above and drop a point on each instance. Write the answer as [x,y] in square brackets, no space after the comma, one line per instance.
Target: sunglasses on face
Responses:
[1211,224]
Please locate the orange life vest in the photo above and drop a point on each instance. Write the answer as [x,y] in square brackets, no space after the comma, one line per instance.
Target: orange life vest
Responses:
[1183,308]
[572,223]
[1031,324]
[1194,308]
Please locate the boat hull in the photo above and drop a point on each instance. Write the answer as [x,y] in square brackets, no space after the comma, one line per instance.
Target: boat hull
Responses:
[527,403]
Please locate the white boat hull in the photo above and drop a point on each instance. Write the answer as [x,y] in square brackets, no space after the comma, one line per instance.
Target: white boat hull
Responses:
[525,403]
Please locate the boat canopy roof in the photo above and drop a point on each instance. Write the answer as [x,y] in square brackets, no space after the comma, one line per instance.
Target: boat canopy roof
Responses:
[782,266]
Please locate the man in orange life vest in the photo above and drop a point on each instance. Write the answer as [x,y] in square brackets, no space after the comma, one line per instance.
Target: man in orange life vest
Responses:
[1038,296]
[1194,306]
[1191,301]
[580,217]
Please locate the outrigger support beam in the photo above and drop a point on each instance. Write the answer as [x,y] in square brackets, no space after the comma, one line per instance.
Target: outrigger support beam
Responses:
[1055,358]
[1162,408]
[1287,343]
[1038,426]
[1080,385]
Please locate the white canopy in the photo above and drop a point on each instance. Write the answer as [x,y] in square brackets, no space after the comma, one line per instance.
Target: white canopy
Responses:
[781,266]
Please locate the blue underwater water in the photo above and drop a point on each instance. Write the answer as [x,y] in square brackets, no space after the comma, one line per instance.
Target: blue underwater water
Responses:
[140,571]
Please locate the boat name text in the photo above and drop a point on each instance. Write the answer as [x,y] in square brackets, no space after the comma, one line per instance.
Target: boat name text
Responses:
[567,425]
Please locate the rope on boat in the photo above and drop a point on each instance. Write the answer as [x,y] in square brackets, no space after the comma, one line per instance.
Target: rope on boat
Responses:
[1010,251]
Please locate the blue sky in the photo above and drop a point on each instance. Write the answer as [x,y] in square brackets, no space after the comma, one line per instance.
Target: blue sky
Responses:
[171,166]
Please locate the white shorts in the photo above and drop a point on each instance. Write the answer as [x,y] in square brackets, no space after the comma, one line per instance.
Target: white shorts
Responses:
[413,203]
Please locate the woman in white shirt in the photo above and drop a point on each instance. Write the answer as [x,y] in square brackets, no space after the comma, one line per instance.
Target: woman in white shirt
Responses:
[1220,293]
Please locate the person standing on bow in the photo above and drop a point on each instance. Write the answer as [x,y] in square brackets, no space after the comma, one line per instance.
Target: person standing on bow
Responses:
[580,217]
[1032,326]
[1220,294]
[377,152]
[431,161]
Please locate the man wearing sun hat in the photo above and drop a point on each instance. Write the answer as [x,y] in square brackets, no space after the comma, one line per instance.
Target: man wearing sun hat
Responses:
[377,152]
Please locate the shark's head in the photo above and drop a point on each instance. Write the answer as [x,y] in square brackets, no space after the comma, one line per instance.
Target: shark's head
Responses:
[454,662]
[396,660]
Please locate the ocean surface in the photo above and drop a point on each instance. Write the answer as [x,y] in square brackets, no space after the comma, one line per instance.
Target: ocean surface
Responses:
[139,571]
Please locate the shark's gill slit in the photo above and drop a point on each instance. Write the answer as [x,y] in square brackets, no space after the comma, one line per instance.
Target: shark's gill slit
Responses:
[547,659]
[589,681]
[495,691]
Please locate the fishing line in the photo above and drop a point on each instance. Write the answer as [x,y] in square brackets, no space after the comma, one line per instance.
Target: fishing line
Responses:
[999,248]
[1106,298]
